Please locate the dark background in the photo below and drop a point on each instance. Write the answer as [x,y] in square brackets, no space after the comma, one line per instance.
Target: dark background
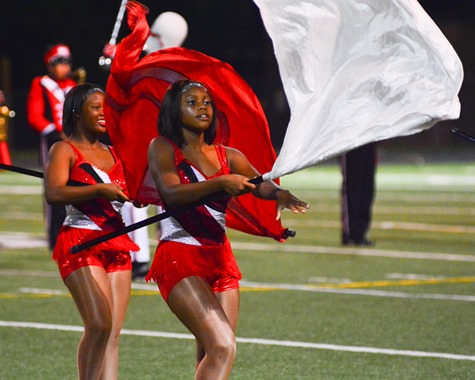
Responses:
[230,30]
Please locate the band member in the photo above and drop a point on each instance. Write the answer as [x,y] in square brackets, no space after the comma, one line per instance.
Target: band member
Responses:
[98,278]
[358,169]
[45,111]
[194,265]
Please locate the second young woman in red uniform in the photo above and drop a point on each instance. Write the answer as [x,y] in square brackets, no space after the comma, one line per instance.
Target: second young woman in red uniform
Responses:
[194,266]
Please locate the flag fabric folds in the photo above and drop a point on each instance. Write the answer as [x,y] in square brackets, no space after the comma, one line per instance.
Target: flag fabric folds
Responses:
[357,71]
[134,92]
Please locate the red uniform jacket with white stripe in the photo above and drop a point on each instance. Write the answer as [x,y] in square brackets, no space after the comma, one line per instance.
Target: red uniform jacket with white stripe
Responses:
[45,103]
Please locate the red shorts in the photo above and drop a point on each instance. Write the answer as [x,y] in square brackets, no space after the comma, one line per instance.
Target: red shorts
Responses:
[112,255]
[174,262]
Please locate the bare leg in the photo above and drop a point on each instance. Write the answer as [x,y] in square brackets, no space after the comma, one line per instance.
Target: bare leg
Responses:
[90,289]
[229,301]
[198,308]
[120,285]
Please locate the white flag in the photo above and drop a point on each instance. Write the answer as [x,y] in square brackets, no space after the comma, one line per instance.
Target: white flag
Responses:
[357,71]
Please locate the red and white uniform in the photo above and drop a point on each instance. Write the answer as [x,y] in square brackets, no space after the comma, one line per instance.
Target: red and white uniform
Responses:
[91,219]
[194,243]
[45,103]
[45,113]
[206,224]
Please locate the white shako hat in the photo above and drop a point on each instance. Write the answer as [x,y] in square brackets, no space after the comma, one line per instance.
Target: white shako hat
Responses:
[168,30]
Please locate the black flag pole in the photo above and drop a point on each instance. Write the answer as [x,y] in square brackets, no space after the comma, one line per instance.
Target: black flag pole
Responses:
[464,135]
[34,173]
[18,169]
[156,218]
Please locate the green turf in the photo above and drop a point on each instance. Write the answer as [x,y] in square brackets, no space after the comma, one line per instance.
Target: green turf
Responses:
[427,209]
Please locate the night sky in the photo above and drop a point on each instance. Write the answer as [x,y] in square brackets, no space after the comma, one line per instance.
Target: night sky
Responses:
[230,30]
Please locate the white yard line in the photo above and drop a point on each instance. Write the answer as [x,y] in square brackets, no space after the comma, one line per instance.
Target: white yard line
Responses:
[265,342]
[27,273]
[52,292]
[385,181]
[18,240]
[21,190]
[394,196]
[318,208]
[351,251]
[22,215]
[319,289]
[249,285]
[443,228]
[385,225]
[356,292]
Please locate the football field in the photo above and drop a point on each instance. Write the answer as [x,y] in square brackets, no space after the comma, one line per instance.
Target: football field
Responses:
[310,308]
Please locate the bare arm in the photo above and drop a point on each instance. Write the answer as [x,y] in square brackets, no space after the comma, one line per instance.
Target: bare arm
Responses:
[60,161]
[265,190]
[173,192]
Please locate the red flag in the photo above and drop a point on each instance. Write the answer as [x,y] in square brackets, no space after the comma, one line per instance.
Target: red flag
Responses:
[134,92]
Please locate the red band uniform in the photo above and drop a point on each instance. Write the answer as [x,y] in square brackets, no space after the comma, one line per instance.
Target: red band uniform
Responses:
[89,220]
[45,112]
[194,243]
